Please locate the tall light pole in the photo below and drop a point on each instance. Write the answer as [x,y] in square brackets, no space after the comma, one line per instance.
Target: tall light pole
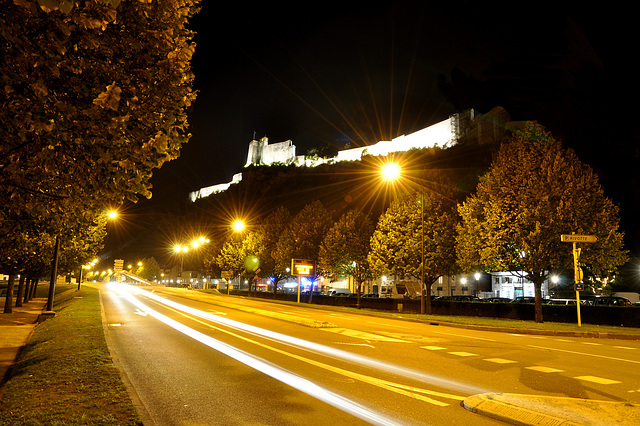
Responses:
[391,172]
[181,250]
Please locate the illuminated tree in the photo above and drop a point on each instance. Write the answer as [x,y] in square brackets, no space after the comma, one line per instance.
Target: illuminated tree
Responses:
[231,256]
[345,247]
[149,270]
[534,192]
[270,232]
[94,98]
[303,236]
[427,217]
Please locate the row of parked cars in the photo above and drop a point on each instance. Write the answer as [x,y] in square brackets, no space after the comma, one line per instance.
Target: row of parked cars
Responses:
[590,301]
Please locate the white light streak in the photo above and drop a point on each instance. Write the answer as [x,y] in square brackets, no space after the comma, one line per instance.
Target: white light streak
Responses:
[315,347]
[267,368]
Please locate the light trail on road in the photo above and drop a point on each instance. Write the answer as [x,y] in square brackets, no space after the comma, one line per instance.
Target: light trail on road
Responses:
[309,346]
[265,367]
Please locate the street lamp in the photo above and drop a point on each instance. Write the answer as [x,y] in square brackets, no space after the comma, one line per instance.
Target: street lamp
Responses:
[181,251]
[391,172]
[238,225]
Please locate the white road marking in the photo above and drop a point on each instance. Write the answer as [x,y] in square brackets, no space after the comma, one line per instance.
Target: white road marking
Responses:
[432,348]
[462,354]
[598,380]
[543,369]
[500,360]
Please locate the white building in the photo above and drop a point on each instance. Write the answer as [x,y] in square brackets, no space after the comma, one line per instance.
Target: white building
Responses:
[469,126]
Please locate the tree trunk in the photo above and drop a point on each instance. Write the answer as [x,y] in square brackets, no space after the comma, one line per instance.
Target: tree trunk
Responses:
[34,288]
[27,289]
[427,291]
[538,307]
[20,290]
[9,299]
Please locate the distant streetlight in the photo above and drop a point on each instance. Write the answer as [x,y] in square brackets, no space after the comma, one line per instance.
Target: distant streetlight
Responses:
[183,249]
[54,266]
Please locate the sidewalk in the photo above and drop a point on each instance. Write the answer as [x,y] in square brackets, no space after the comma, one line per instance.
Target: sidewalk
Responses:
[16,329]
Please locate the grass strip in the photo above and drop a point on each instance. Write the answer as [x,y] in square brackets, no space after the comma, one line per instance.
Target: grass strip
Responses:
[65,374]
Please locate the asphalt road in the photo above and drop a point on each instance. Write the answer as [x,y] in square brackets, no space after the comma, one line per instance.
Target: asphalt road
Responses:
[193,358]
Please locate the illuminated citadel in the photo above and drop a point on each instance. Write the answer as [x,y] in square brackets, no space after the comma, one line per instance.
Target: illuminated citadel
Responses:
[466,127]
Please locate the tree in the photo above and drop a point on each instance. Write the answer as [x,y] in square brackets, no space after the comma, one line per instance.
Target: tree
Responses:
[535,191]
[231,256]
[345,248]
[94,99]
[427,217]
[270,231]
[302,238]
[149,269]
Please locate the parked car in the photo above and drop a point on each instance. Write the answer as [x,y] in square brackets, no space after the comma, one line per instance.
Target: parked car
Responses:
[561,302]
[524,299]
[442,298]
[339,292]
[465,298]
[497,300]
[607,301]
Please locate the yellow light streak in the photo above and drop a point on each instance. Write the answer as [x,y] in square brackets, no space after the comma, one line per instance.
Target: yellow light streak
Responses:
[262,366]
[314,347]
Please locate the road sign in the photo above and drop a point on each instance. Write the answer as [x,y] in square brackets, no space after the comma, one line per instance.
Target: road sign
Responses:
[118,265]
[574,238]
[302,267]
[578,286]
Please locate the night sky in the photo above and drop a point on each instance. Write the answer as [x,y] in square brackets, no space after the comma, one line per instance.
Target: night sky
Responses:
[327,74]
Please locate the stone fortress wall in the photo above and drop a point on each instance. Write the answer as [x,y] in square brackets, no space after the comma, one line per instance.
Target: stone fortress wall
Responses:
[465,127]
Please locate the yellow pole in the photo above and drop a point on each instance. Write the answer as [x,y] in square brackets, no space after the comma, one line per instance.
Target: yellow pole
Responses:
[577,279]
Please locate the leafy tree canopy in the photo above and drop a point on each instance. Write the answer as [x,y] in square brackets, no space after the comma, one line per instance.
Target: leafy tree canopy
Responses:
[535,191]
[346,243]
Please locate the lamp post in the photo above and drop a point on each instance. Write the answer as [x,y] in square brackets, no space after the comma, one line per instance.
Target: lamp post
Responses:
[112,215]
[181,250]
[392,172]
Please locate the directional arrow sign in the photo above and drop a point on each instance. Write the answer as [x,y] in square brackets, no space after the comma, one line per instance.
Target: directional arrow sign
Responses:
[574,238]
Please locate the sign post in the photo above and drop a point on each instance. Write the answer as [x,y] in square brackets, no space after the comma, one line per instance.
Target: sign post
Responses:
[577,270]
[302,267]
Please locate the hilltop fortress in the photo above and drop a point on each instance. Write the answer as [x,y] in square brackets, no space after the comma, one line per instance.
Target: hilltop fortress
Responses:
[469,127]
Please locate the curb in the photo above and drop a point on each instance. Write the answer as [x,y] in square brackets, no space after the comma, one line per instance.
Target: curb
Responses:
[552,411]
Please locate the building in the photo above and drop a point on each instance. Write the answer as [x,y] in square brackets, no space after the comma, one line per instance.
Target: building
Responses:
[469,127]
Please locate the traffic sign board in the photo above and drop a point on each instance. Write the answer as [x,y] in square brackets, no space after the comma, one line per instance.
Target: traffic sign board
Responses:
[118,265]
[578,287]
[574,238]
[302,267]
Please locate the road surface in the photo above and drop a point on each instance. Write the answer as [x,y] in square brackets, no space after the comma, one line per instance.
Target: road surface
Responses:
[196,358]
